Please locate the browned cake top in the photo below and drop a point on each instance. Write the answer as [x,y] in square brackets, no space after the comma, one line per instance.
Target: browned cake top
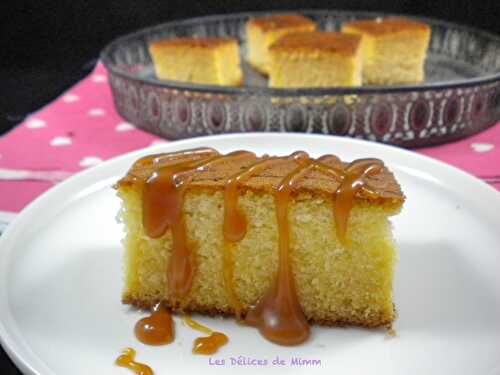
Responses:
[281,22]
[391,25]
[320,41]
[207,43]
[216,173]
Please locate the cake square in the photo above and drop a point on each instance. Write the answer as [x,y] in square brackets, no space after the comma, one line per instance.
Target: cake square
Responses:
[316,59]
[261,32]
[394,49]
[210,61]
[214,233]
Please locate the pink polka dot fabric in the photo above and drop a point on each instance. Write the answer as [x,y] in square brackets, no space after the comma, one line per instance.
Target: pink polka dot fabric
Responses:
[81,129]
[76,131]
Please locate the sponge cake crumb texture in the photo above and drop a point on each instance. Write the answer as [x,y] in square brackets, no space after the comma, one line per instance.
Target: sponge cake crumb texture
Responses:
[211,61]
[338,283]
[316,59]
[394,49]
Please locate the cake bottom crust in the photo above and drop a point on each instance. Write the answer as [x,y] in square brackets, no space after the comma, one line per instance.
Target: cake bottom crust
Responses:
[213,311]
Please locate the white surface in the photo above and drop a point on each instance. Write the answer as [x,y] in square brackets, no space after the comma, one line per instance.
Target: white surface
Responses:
[61,277]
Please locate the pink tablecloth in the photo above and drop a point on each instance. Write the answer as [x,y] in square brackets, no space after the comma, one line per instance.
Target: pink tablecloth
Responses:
[81,128]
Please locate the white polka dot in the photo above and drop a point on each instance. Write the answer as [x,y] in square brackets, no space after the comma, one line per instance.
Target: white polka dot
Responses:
[60,141]
[36,123]
[70,98]
[482,147]
[90,161]
[124,127]
[158,142]
[97,112]
[98,78]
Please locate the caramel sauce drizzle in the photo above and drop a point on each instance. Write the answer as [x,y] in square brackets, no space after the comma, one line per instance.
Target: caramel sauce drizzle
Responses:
[235,227]
[205,345]
[235,222]
[163,196]
[157,328]
[127,360]
[162,208]
[352,181]
[278,315]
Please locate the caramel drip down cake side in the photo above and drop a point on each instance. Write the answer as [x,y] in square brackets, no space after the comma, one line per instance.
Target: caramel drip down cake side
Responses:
[254,237]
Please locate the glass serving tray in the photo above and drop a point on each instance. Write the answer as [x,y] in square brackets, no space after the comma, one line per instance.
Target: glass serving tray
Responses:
[460,96]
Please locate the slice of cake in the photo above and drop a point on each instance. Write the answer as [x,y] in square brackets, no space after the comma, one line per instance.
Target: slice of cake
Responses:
[316,59]
[394,49]
[210,61]
[276,241]
[264,31]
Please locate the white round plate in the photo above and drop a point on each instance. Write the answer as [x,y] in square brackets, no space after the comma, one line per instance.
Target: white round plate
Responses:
[61,279]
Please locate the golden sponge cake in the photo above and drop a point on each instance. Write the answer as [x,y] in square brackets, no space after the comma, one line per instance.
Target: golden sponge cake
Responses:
[261,32]
[316,59]
[250,236]
[394,49]
[211,61]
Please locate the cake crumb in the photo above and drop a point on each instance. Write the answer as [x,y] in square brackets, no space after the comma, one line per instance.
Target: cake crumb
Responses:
[391,333]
